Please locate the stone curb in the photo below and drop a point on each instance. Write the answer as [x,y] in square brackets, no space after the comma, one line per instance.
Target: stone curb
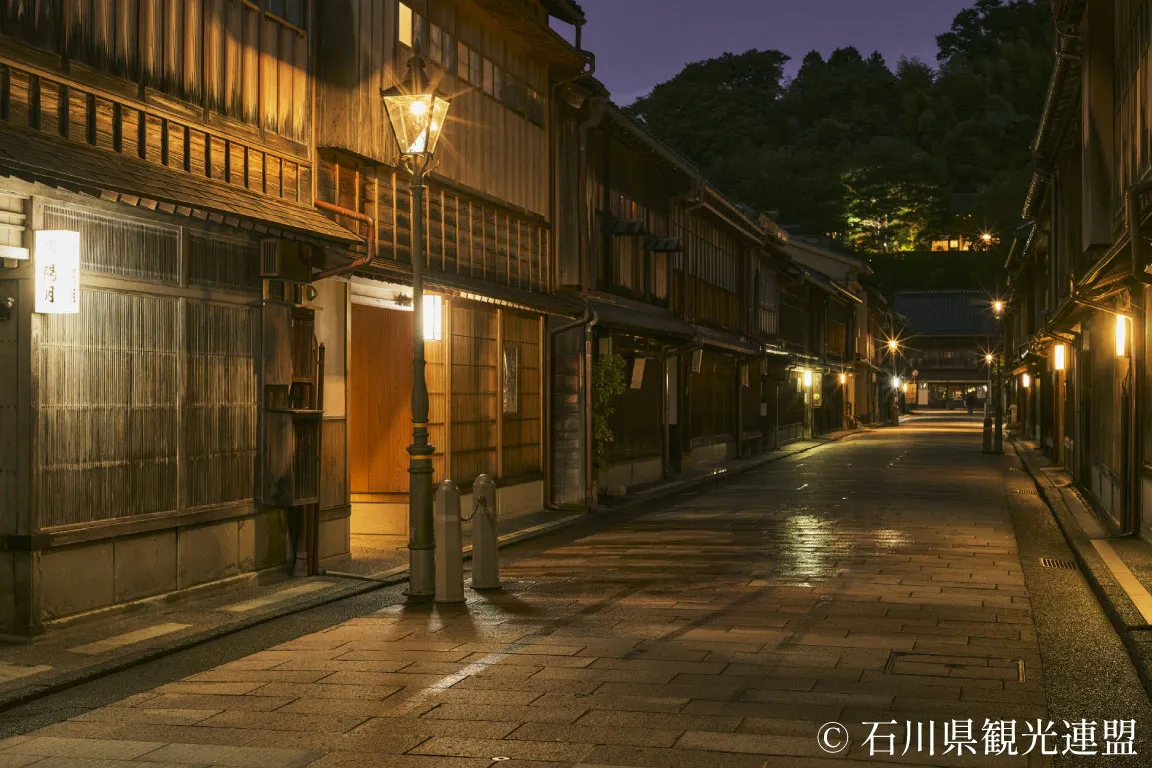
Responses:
[1118,607]
[20,696]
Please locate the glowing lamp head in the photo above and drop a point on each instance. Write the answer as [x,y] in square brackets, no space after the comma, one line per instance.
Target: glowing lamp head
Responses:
[997,307]
[895,382]
[416,111]
[988,359]
[1026,381]
[843,378]
[1121,336]
[986,237]
[433,317]
[1059,357]
[807,378]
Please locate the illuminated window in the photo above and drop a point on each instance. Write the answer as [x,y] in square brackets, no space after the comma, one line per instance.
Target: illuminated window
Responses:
[474,67]
[939,245]
[436,46]
[404,27]
[291,11]
[462,58]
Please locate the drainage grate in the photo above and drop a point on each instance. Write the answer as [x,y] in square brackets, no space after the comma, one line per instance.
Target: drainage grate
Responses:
[1026,492]
[1055,562]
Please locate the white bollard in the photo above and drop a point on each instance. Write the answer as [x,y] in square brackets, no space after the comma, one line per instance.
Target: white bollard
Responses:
[449,545]
[485,552]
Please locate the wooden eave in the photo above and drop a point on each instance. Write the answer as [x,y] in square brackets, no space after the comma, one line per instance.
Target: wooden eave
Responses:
[57,162]
[543,40]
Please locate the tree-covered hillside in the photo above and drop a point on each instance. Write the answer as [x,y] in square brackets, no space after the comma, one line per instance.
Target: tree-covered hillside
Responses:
[883,159]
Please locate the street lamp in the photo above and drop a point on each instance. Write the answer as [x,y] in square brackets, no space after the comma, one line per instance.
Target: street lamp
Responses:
[893,348]
[416,114]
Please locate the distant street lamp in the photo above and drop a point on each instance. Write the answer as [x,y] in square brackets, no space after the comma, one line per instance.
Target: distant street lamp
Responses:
[894,347]
[416,114]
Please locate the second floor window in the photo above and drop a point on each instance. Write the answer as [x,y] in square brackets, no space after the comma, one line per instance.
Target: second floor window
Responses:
[291,11]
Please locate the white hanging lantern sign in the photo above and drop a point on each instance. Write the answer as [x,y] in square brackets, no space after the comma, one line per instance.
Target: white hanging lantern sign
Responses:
[57,268]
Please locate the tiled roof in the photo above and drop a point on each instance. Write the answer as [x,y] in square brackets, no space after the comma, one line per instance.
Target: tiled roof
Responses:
[51,160]
[946,313]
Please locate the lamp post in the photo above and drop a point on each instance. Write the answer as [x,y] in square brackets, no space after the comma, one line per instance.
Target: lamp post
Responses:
[416,114]
[893,348]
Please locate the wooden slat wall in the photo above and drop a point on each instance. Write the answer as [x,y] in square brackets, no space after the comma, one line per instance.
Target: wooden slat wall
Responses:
[60,109]
[256,65]
[485,145]
[475,391]
[520,441]
[1133,94]
[108,409]
[463,235]
[220,403]
[333,467]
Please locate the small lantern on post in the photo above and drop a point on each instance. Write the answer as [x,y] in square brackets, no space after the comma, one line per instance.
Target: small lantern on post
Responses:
[416,113]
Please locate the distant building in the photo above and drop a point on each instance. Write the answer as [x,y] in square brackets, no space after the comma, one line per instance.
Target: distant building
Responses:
[950,332]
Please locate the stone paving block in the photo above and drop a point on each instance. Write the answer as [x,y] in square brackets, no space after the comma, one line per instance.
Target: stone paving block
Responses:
[121,715]
[325,691]
[398,706]
[604,675]
[236,757]
[83,748]
[209,689]
[371,760]
[185,734]
[17,761]
[499,683]
[604,701]
[660,721]
[755,744]
[202,701]
[428,727]
[529,750]
[653,757]
[522,714]
[284,721]
[591,734]
[719,691]
[256,676]
[84,762]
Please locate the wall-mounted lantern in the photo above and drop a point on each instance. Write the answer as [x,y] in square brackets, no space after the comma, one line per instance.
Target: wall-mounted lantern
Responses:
[1026,381]
[433,317]
[1059,353]
[57,270]
[1121,336]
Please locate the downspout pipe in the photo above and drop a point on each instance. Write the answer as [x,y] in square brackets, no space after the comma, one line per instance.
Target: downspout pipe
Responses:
[588,320]
[1139,365]
[370,252]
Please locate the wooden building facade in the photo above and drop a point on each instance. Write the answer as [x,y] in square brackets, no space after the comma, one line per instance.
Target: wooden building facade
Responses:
[488,239]
[1079,268]
[157,420]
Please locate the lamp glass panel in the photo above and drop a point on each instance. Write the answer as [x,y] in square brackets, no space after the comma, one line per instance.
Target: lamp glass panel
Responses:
[410,117]
[1059,356]
[433,317]
[436,127]
[1121,336]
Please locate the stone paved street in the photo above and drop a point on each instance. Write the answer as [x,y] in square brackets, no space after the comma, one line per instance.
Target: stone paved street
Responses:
[876,579]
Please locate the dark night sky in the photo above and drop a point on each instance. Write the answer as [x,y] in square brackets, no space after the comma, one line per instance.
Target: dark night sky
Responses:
[640,43]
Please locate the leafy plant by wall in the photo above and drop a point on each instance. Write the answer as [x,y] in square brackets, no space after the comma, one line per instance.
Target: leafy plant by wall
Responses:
[607,384]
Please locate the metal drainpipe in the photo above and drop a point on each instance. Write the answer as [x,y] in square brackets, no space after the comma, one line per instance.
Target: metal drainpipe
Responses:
[591,483]
[1139,365]
[589,317]
[370,253]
